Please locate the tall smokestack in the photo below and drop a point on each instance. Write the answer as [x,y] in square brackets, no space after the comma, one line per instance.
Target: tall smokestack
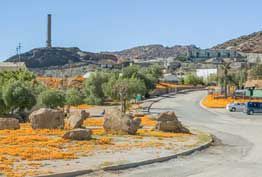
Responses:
[49,41]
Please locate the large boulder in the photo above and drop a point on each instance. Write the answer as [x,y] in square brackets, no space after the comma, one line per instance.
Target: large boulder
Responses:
[115,121]
[9,123]
[76,119]
[78,134]
[168,122]
[46,118]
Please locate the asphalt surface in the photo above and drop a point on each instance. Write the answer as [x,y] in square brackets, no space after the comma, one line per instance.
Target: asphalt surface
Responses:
[237,151]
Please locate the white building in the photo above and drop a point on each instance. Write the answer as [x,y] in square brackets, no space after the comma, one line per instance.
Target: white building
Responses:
[204,73]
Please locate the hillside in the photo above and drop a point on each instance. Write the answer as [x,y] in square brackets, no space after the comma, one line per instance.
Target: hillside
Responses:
[251,43]
[59,56]
[152,51]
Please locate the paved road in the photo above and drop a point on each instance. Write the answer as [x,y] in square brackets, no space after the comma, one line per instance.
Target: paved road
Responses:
[236,153]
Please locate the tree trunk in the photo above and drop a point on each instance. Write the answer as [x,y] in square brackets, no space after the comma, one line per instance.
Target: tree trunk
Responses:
[225,81]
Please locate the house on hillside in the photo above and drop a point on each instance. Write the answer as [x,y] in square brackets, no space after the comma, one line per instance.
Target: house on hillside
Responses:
[254,88]
[196,54]
[257,84]
[12,66]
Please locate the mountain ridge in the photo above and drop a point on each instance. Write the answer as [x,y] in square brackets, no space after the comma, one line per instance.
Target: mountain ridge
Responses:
[251,43]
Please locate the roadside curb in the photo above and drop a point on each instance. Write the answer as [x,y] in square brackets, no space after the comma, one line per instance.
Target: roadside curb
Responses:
[134,164]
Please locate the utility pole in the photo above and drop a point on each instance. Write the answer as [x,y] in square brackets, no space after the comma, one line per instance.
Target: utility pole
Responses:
[18,51]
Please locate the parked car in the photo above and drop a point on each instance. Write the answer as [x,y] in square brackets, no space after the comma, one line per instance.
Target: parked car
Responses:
[253,107]
[236,107]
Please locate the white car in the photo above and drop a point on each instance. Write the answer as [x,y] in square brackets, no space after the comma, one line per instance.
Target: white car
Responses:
[236,107]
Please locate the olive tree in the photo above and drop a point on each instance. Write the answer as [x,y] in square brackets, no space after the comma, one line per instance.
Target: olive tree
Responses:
[193,80]
[149,75]
[52,98]
[73,97]
[93,90]
[123,90]
[17,97]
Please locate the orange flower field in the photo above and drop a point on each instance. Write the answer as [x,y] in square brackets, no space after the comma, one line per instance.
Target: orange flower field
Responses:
[211,102]
[22,151]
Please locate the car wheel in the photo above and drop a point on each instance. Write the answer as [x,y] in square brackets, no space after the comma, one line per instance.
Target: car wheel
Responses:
[251,112]
[233,109]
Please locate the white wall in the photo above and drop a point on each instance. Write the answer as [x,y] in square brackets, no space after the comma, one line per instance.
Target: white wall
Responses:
[205,72]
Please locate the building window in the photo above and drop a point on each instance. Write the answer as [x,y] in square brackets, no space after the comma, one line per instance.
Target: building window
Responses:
[228,55]
[208,54]
[218,54]
[197,54]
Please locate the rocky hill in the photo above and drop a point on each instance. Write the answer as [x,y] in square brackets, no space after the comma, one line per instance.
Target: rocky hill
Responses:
[251,43]
[59,56]
[152,51]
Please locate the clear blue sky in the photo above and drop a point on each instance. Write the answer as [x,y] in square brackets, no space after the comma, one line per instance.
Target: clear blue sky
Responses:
[107,25]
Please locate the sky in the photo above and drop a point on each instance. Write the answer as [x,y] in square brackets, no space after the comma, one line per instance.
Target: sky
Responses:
[112,25]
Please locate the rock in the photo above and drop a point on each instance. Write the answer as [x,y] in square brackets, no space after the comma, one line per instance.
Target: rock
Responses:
[84,114]
[76,119]
[78,134]
[45,118]
[115,121]
[166,116]
[168,122]
[9,123]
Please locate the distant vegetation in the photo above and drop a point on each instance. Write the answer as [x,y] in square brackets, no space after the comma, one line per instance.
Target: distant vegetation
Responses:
[20,92]
[122,86]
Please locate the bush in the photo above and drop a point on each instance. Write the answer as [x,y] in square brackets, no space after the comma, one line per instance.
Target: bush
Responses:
[16,96]
[52,98]
[191,79]
[73,97]
[123,90]
[93,88]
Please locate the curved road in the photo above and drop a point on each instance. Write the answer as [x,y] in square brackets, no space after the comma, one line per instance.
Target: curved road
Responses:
[236,153]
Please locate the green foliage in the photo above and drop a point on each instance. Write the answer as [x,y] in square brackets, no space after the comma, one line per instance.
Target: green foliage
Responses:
[73,97]
[17,96]
[124,89]
[103,84]
[52,98]
[155,70]
[181,58]
[131,71]
[3,107]
[149,75]
[193,80]
[212,78]
[20,75]
[17,91]
[93,87]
